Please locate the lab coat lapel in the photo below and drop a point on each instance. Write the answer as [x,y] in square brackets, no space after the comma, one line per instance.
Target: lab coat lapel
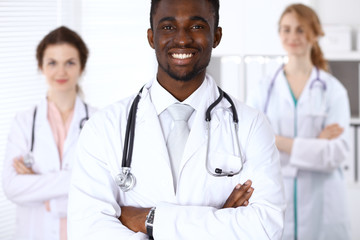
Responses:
[150,144]
[284,90]
[305,95]
[74,130]
[148,125]
[197,137]
[45,138]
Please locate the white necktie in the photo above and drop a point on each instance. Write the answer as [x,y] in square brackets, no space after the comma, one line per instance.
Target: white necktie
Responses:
[180,113]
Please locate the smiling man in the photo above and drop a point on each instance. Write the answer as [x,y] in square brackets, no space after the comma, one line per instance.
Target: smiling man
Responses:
[144,172]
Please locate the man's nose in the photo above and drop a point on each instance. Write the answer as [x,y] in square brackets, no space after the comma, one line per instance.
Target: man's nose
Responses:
[183,37]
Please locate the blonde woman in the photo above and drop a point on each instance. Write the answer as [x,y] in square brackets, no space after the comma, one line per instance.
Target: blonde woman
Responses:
[308,109]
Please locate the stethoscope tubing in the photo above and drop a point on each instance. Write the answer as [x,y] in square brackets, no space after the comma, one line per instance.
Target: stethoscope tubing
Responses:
[86,118]
[130,132]
[271,86]
[126,184]
[222,94]
[218,171]
[272,83]
[33,131]
[81,124]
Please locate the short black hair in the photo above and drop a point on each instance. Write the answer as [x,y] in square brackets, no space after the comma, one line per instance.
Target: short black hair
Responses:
[214,3]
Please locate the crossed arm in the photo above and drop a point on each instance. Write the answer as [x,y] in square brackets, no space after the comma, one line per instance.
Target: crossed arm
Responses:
[134,218]
[21,168]
[330,132]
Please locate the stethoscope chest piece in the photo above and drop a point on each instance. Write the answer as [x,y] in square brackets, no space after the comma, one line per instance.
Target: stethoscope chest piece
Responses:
[29,159]
[125,180]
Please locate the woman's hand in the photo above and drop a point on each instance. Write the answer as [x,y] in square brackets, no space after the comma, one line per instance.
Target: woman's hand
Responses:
[20,167]
[284,144]
[331,131]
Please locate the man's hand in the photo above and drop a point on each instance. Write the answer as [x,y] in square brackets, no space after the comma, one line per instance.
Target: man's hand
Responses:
[331,131]
[240,195]
[134,218]
[20,168]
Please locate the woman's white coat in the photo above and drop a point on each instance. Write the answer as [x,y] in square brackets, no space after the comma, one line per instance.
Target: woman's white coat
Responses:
[52,179]
[315,163]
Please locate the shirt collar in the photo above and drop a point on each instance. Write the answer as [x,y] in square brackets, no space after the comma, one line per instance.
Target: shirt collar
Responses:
[162,99]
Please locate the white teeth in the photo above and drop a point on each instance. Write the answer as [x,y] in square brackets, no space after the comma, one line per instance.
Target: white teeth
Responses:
[181,55]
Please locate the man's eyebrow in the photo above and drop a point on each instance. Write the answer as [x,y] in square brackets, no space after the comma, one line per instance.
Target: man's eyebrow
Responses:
[193,18]
[166,19]
[198,18]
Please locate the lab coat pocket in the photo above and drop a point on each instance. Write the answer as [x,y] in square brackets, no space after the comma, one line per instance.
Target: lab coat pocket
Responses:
[225,162]
[219,188]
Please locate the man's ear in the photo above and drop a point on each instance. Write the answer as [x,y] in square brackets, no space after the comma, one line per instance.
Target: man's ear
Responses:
[150,37]
[217,37]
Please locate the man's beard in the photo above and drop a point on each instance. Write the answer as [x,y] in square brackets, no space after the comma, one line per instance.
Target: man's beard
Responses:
[185,77]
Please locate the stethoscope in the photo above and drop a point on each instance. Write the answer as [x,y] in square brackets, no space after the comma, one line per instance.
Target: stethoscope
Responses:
[29,157]
[312,84]
[126,180]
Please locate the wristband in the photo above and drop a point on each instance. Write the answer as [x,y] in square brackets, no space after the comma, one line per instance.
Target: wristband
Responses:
[150,222]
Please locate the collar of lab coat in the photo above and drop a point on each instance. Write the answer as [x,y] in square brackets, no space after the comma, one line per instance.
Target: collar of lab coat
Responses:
[162,99]
[284,91]
[74,130]
[305,95]
[211,94]
[42,126]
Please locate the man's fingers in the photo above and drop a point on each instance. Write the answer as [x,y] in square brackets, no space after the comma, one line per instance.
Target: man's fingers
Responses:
[244,199]
[240,194]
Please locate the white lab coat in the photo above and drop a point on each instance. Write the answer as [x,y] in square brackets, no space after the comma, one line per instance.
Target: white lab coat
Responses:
[321,196]
[51,183]
[193,212]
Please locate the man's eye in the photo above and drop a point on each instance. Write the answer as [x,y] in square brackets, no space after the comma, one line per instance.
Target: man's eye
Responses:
[168,28]
[51,63]
[70,63]
[197,27]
